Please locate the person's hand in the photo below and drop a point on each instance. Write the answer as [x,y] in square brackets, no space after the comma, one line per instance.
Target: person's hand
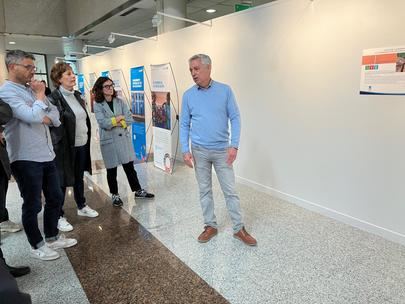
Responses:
[232,153]
[188,159]
[38,88]
[119,118]
[46,120]
[2,141]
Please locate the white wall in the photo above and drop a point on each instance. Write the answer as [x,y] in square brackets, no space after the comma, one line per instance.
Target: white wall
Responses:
[307,134]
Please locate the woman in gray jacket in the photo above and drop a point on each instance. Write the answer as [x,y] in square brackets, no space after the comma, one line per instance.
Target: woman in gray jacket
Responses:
[114,118]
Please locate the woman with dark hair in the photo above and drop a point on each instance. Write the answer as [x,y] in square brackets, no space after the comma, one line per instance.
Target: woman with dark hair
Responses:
[71,140]
[114,117]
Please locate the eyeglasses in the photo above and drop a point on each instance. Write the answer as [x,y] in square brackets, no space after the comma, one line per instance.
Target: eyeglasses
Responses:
[29,67]
[108,86]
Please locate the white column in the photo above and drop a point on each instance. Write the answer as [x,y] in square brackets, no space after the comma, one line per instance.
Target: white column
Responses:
[3,70]
[173,7]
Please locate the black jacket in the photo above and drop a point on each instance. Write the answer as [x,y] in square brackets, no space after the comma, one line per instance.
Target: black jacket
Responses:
[5,115]
[63,138]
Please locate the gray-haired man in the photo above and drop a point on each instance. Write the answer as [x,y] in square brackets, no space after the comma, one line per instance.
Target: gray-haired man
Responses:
[207,109]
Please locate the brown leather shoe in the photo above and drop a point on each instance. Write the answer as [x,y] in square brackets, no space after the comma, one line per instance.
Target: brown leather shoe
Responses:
[208,233]
[245,237]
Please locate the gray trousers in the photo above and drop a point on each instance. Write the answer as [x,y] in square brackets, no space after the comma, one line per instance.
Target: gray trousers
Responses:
[204,160]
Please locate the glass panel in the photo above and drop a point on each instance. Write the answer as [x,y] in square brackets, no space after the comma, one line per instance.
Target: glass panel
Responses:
[73,65]
[40,63]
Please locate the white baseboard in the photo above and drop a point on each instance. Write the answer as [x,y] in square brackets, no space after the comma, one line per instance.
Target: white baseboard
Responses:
[347,219]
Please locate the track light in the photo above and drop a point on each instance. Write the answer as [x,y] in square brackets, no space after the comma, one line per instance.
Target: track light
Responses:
[182,19]
[111,38]
[59,59]
[87,46]
[156,20]
[78,53]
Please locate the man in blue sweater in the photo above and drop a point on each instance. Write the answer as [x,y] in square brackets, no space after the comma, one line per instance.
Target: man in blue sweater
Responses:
[207,109]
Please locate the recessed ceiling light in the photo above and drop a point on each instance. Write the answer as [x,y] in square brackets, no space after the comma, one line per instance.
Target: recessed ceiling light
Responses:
[211,10]
[11,42]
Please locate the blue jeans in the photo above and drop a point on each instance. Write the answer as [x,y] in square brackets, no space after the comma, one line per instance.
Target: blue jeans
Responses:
[78,187]
[204,159]
[32,178]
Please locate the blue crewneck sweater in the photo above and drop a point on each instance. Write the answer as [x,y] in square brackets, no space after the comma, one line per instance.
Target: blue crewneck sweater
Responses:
[205,117]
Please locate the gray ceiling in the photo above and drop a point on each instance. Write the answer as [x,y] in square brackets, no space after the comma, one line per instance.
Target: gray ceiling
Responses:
[139,21]
[91,21]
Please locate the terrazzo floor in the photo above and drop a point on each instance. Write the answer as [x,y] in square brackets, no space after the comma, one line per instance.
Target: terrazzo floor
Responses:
[150,249]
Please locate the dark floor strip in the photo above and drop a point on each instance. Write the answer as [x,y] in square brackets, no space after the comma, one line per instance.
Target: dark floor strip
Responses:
[118,261]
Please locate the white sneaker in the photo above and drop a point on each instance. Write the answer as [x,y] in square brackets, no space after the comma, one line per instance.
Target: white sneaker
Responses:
[44,253]
[61,242]
[87,211]
[64,225]
[9,226]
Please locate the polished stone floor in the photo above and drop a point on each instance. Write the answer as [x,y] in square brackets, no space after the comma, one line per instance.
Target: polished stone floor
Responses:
[147,252]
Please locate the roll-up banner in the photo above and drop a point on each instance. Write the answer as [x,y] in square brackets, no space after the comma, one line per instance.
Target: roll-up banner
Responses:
[80,84]
[138,112]
[161,117]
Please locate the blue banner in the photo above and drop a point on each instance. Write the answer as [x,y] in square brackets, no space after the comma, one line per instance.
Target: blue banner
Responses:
[138,113]
[137,79]
[80,83]
[139,140]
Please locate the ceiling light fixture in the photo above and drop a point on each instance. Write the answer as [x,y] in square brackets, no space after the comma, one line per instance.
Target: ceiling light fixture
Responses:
[86,47]
[156,20]
[184,19]
[111,38]
[59,59]
[211,11]
[11,42]
[79,53]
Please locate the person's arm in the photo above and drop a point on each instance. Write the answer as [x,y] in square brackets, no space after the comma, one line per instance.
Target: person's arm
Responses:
[127,115]
[53,115]
[57,132]
[234,118]
[38,90]
[104,122]
[185,121]
[24,112]
[5,113]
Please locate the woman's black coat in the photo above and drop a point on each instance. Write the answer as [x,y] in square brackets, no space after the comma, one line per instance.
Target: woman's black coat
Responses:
[63,138]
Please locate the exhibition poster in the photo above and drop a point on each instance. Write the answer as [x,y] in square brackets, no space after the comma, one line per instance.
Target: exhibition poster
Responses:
[80,84]
[92,81]
[383,71]
[120,86]
[161,117]
[138,112]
